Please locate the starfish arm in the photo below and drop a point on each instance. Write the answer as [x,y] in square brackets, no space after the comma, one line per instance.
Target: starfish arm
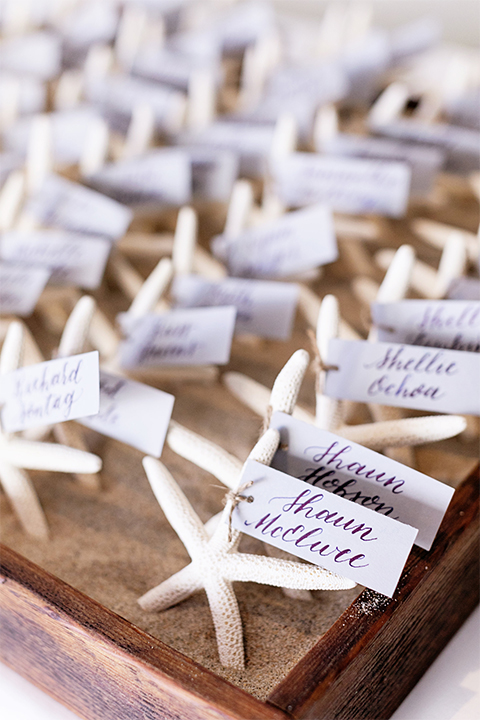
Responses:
[152,289]
[77,327]
[178,587]
[12,350]
[50,456]
[227,622]
[401,453]
[282,573]
[23,497]
[176,507]
[266,447]
[327,409]
[205,454]
[303,595]
[405,431]
[287,383]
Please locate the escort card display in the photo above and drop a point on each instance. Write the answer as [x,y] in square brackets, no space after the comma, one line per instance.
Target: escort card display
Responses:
[325,529]
[404,376]
[50,392]
[355,473]
[450,324]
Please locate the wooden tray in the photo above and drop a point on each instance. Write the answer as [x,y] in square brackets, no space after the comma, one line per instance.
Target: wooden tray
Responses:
[101,666]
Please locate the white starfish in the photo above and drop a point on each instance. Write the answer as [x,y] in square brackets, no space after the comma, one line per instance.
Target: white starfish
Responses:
[216,563]
[18,454]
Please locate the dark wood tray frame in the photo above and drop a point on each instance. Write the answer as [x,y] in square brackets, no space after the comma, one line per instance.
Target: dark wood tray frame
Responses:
[104,668]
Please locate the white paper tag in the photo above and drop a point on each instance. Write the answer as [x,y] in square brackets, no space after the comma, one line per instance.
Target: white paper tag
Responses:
[366,547]
[73,259]
[297,241]
[50,392]
[214,172]
[264,308]
[37,53]
[424,162]
[362,476]
[61,203]
[20,288]
[70,129]
[450,324]
[166,65]
[464,288]
[445,381]
[250,141]
[161,176]
[180,337]
[348,185]
[133,413]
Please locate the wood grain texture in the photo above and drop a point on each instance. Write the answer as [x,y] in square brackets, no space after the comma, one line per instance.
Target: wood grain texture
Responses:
[98,664]
[371,658]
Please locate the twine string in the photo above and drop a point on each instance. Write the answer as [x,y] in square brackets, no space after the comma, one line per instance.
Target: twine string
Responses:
[318,363]
[235,497]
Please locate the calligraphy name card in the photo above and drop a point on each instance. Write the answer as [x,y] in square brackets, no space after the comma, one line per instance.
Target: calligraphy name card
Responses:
[346,538]
[355,473]
[133,413]
[73,259]
[162,176]
[424,162]
[450,324]
[348,185]
[297,241]
[264,308]
[50,392]
[464,288]
[63,204]
[20,288]
[180,337]
[409,376]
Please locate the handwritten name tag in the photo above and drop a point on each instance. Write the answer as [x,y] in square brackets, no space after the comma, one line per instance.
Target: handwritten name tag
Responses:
[161,176]
[355,473]
[297,241]
[424,162]
[464,288]
[72,259]
[61,203]
[50,392]
[250,141]
[446,381]
[450,324]
[133,413]
[180,337]
[36,53]
[20,288]
[343,537]
[348,185]
[213,172]
[264,308]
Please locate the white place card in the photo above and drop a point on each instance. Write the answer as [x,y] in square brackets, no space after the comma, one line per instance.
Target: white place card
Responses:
[264,308]
[297,241]
[250,141]
[133,413]
[20,288]
[35,53]
[445,381]
[343,537]
[461,145]
[464,288]
[348,185]
[180,337]
[424,162]
[214,173]
[362,476]
[161,177]
[450,324]
[70,129]
[72,259]
[173,67]
[50,392]
[61,203]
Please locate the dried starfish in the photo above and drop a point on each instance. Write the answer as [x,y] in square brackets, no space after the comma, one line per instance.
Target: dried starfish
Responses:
[216,562]
[18,454]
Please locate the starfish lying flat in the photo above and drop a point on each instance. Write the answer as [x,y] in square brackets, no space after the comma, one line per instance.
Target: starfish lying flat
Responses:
[18,454]
[216,563]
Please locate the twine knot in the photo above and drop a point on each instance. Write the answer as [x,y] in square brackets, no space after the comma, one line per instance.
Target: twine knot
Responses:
[235,497]
[318,364]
